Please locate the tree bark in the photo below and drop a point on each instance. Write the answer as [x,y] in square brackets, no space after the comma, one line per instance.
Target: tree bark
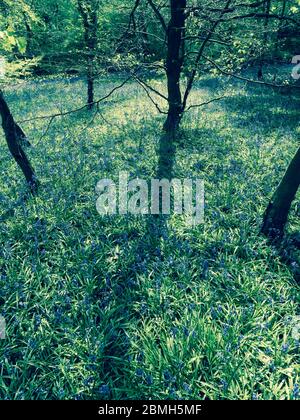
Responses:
[13,134]
[174,63]
[276,215]
[88,12]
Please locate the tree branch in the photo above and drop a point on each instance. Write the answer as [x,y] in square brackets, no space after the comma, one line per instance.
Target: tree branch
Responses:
[158,15]
[62,114]
[258,82]
[206,103]
[150,97]
[199,55]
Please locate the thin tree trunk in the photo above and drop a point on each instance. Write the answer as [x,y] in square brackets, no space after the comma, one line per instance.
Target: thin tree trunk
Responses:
[13,135]
[90,83]
[276,215]
[88,13]
[260,74]
[280,27]
[174,62]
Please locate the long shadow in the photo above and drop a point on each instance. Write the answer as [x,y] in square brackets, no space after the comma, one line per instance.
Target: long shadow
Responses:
[261,108]
[146,250]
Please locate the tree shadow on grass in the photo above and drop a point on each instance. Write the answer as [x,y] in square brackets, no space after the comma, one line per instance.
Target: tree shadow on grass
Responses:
[125,285]
[264,109]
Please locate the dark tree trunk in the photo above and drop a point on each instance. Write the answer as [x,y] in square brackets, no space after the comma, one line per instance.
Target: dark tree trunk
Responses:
[174,62]
[21,136]
[13,134]
[88,12]
[277,212]
[90,83]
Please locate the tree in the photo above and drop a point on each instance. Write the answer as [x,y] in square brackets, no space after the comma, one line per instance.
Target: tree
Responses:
[13,134]
[88,12]
[265,38]
[276,215]
[198,36]
[13,44]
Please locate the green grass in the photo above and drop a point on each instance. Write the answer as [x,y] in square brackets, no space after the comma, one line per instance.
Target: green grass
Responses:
[98,308]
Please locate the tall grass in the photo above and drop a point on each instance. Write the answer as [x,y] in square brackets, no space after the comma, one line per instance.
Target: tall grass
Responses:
[96,307]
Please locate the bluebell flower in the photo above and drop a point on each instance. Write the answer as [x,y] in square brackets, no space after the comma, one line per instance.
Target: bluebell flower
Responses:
[272,366]
[168,377]
[139,372]
[224,384]
[104,390]
[186,331]
[296,391]
[87,381]
[186,387]
[149,380]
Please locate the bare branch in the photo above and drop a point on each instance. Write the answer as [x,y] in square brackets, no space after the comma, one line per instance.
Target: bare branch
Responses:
[206,103]
[150,97]
[201,38]
[62,114]
[258,82]
[199,55]
[131,16]
[158,15]
[151,88]
[261,15]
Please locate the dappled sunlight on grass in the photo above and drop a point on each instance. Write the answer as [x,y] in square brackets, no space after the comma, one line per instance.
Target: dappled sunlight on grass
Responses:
[99,307]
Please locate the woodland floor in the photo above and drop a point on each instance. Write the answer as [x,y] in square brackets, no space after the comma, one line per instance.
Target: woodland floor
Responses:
[99,308]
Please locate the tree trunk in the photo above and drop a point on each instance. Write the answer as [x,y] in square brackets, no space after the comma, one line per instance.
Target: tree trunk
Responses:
[13,135]
[90,83]
[260,74]
[277,212]
[88,12]
[174,62]
[280,27]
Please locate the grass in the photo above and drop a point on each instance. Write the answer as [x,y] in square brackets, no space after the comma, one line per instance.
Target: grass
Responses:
[96,307]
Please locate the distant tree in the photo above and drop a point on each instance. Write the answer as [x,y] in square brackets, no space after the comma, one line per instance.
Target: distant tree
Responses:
[267,7]
[276,215]
[174,61]
[14,136]
[88,10]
